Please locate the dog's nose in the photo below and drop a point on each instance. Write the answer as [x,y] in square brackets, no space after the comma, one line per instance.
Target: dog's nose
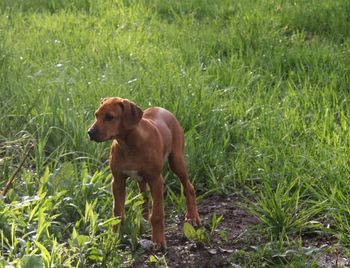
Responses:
[92,133]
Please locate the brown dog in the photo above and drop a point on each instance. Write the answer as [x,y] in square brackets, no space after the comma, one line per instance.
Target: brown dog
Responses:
[142,142]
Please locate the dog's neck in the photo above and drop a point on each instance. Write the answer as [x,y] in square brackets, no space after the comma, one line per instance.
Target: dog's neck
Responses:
[131,138]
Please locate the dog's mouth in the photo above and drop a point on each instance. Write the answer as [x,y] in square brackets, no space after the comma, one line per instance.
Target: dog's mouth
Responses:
[94,139]
[98,140]
[95,135]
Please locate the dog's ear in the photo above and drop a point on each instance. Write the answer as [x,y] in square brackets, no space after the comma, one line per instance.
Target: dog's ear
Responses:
[132,114]
[104,99]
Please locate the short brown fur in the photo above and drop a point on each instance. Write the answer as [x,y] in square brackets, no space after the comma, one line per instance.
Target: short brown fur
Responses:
[142,142]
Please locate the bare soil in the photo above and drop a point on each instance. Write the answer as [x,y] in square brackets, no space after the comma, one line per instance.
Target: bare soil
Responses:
[230,235]
[184,253]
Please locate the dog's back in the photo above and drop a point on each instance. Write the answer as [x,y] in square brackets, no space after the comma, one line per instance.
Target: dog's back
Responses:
[169,128]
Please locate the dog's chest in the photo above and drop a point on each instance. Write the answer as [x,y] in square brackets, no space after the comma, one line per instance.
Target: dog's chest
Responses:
[134,174]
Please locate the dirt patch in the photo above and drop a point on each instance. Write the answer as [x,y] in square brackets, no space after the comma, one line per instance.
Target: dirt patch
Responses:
[223,242]
[228,237]
[184,253]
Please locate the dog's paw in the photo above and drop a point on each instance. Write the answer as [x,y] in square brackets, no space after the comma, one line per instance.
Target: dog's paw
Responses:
[194,219]
[160,247]
[149,245]
[159,244]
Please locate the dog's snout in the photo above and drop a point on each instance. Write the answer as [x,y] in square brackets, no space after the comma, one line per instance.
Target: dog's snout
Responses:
[92,133]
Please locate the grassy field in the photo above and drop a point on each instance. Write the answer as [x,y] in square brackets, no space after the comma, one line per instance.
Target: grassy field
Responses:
[260,87]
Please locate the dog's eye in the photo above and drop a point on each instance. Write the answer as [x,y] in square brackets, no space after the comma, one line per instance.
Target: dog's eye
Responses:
[108,117]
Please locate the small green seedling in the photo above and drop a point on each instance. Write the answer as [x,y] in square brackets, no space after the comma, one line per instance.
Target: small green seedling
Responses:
[202,234]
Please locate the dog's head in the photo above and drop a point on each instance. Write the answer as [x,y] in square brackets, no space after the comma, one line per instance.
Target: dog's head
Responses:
[114,118]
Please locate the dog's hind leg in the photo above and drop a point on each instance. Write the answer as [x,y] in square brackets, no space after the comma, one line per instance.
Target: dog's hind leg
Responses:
[178,166]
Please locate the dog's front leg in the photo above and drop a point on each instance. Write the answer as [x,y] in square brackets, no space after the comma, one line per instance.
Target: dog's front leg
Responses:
[157,217]
[118,189]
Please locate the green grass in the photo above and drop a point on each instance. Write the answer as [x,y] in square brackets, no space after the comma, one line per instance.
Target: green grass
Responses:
[260,87]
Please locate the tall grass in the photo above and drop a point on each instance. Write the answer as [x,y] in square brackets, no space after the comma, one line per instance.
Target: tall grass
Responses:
[260,87]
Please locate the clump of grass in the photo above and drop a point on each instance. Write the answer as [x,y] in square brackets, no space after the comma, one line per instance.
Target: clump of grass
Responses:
[285,211]
[65,223]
